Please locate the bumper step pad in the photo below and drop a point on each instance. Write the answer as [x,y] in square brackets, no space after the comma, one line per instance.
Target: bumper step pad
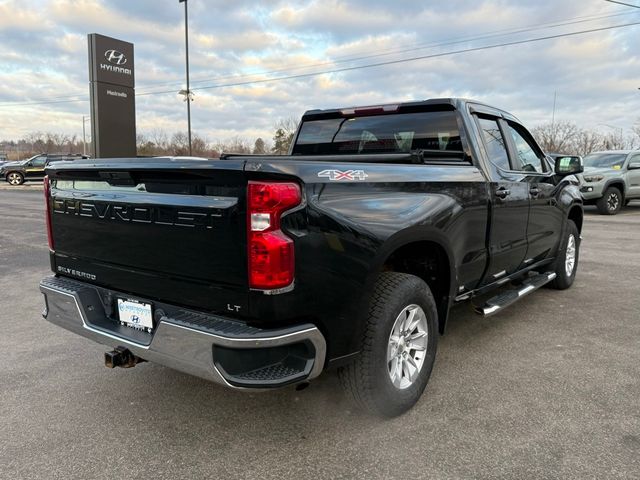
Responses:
[217,348]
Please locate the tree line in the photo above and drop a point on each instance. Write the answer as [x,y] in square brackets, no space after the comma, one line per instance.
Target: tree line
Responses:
[567,138]
[558,137]
[157,142]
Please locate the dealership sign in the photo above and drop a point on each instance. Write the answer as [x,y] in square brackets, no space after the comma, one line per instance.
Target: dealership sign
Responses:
[113,114]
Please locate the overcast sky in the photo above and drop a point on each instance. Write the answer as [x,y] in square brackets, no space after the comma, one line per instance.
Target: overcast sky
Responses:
[44,58]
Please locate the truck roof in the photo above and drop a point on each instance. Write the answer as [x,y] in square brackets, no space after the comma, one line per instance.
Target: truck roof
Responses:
[457,103]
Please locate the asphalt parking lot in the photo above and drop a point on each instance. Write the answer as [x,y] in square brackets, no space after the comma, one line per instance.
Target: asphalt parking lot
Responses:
[548,389]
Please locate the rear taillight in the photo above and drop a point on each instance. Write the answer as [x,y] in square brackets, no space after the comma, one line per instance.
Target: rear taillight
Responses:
[47,203]
[270,251]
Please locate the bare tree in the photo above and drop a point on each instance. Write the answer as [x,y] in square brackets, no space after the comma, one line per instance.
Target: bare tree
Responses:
[234,145]
[160,139]
[144,146]
[288,125]
[636,135]
[587,141]
[556,137]
[199,146]
[615,140]
[56,142]
[35,142]
[179,144]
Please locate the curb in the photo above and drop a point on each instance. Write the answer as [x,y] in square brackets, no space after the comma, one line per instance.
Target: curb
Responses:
[33,187]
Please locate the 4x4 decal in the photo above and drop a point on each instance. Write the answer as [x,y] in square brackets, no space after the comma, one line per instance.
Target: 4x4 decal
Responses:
[348,175]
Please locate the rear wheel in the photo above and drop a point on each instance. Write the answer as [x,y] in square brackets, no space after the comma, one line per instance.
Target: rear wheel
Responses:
[15,178]
[611,201]
[398,349]
[567,262]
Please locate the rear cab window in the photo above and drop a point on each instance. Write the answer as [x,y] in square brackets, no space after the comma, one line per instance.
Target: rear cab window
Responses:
[381,133]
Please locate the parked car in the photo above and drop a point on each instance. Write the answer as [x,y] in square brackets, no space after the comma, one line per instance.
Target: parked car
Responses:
[16,173]
[611,179]
[3,158]
[263,271]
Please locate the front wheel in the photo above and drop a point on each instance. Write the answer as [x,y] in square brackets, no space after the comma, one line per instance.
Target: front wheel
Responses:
[611,201]
[15,178]
[566,264]
[398,348]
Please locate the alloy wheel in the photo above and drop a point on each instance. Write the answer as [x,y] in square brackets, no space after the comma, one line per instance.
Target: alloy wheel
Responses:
[570,256]
[613,201]
[14,179]
[407,347]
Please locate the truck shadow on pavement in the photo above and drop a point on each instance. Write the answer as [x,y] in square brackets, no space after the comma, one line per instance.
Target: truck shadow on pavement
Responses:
[205,405]
[476,356]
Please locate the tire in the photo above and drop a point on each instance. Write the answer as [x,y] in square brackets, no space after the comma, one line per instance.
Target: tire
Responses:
[368,380]
[611,202]
[564,275]
[15,178]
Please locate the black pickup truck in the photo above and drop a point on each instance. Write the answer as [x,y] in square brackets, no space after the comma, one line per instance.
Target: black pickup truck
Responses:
[263,271]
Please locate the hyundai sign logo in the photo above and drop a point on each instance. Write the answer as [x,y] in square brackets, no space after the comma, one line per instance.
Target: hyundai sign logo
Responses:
[115,57]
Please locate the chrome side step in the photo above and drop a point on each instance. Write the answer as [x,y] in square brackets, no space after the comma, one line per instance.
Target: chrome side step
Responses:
[504,299]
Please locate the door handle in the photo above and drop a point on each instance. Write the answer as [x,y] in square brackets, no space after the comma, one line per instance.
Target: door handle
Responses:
[534,191]
[503,193]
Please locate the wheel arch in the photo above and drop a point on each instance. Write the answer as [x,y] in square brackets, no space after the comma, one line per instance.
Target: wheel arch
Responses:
[576,215]
[618,183]
[425,254]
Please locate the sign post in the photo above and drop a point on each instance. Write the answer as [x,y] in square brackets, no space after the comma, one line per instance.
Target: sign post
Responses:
[113,102]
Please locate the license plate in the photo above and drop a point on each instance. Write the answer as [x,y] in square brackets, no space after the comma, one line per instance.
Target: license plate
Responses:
[135,314]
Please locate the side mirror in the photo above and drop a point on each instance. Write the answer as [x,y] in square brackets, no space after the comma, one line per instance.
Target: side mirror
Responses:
[635,165]
[569,166]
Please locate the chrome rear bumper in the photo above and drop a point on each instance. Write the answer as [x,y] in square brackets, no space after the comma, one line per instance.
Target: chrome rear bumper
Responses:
[207,346]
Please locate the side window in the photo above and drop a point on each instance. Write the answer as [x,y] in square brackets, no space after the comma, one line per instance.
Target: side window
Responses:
[526,157]
[494,142]
[39,161]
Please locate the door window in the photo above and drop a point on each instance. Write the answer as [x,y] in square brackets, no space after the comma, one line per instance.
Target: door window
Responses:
[635,161]
[526,157]
[494,143]
[39,161]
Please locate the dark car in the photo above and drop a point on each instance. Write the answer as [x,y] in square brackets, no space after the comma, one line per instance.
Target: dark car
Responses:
[16,173]
[263,271]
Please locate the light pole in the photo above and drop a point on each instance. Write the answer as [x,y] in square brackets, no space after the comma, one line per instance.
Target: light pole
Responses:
[84,134]
[187,92]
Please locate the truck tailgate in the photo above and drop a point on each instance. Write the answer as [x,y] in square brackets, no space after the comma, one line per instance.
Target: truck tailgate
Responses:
[167,229]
